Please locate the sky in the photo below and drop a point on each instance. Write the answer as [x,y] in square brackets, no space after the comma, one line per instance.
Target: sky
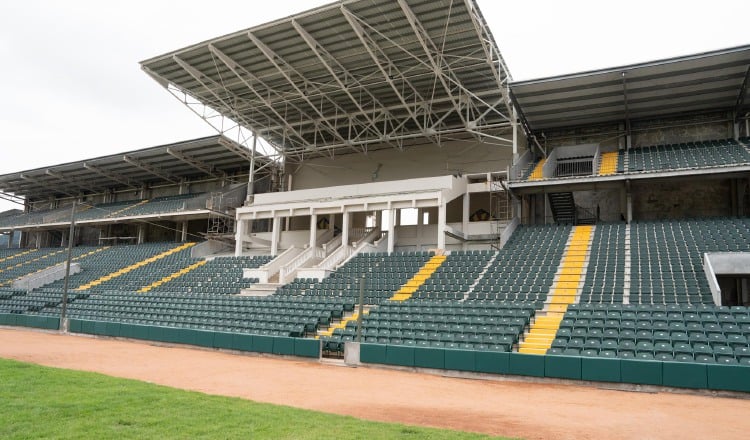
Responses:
[73,89]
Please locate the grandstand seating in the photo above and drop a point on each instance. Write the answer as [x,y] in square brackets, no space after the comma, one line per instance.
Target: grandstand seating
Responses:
[687,155]
[605,278]
[161,205]
[384,275]
[525,268]
[473,325]
[680,332]
[222,275]
[265,316]
[609,163]
[128,208]
[667,257]
[452,280]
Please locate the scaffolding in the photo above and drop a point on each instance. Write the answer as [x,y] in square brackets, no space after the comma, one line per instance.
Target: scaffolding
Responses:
[501,209]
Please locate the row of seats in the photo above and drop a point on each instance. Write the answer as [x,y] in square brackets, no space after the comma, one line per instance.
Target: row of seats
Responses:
[656,158]
[667,257]
[127,208]
[268,316]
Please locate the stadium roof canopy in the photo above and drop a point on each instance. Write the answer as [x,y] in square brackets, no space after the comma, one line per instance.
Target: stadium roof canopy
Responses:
[706,81]
[350,76]
[212,157]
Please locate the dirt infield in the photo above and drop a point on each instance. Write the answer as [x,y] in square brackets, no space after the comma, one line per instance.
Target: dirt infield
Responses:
[514,409]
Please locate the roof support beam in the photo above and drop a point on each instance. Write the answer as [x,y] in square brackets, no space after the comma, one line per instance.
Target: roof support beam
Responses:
[110,175]
[52,189]
[156,171]
[741,96]
[198,165]
[284,68]
[435,56]
[625,102]
[245,77]
[389,71]
[331,63]
[204,79]
[73,182]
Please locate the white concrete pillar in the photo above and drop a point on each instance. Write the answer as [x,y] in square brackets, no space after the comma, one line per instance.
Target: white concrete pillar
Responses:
[313,230]
[465,218]
[239,234]
[183,239]
[345,228]
[441,226]
[629,203]
[275,234]
[141,233]
[391,230]
[332,221]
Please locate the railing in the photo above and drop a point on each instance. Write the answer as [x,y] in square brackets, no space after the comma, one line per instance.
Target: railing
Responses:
[290,268]
[46,276]
[340,254]
[356,234]
[516,171]
[713,284]
[370,235]
[585,214]
[265,272]
[332,245]
[595,165]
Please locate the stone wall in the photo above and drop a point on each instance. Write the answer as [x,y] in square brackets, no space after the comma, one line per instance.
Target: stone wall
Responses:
[673,200]
[685,129]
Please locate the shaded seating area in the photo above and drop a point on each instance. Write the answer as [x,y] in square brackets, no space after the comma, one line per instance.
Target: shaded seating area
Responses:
[706,154]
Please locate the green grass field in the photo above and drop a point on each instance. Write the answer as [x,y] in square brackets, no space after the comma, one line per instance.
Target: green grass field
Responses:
[42,402]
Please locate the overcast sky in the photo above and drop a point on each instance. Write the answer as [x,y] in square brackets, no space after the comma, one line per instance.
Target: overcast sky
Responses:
[72,87]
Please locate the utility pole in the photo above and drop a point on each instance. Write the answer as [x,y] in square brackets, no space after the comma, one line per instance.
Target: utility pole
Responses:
[361,307]
[64,309]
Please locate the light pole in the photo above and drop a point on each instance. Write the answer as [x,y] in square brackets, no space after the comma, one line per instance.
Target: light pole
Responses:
[71,233]
[361,307]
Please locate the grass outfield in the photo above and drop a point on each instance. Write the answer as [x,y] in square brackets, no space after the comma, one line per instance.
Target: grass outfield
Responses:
[43,402]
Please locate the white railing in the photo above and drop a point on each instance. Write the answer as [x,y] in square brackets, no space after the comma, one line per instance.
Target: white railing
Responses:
[340,254]
[595,164]
[288,270]
[508,231]
[371,235]
[713,284]
[516,171]
[265,272]
[332,245]
[46,276]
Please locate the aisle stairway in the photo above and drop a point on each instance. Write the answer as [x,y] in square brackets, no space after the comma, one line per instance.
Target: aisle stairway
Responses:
[411,286]
[563,292]
[134,266]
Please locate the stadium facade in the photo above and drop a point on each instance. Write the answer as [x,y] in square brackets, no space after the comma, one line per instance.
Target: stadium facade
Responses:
[553,227]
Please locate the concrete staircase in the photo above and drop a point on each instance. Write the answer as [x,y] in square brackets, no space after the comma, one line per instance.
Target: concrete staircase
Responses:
[565,290]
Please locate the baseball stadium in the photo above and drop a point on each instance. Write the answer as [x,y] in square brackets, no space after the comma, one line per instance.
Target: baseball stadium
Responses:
[387,228]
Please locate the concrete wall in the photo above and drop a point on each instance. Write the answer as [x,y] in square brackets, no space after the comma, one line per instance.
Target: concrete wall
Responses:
[672,200]
[683,129]
[392,164]
[608,201]
[609,135]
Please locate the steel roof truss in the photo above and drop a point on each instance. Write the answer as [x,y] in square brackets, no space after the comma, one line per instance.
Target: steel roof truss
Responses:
[284,68]
[197,164]
[110,175]
[156,171]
